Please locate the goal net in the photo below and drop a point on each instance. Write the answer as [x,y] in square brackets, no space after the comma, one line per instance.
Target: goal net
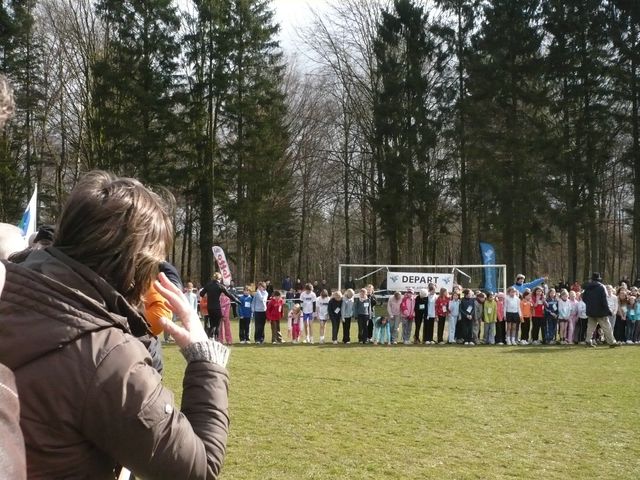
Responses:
[387,279]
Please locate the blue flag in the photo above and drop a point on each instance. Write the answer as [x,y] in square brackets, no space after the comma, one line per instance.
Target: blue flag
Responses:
[28,222]
[490,275]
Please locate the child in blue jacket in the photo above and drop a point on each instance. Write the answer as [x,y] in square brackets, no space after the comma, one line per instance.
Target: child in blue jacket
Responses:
[244,312]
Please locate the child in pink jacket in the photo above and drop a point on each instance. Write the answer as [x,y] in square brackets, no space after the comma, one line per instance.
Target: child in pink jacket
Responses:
[225,325]
[407,314]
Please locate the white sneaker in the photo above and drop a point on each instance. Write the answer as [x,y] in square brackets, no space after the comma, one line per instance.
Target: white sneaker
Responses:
[466,343]
[335,342]
[321,339]
[508,341]
[629,342]
[306,340]
[310,339]
[500,343]
[524,342]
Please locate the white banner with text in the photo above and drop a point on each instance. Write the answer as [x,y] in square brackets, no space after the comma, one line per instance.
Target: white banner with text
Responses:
[402,281]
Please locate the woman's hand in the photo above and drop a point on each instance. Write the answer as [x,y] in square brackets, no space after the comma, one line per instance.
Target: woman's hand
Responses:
[191,330]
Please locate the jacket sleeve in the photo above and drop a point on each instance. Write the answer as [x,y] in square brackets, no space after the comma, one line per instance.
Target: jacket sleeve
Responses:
[12,456]
[132,417]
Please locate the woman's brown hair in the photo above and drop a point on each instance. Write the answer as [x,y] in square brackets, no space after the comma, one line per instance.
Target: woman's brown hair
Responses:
[118,228]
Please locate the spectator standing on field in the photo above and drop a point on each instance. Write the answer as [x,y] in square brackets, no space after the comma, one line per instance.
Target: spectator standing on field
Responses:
[213,290]
[595,299]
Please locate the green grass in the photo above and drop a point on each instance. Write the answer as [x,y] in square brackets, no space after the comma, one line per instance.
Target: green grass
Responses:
[412,412]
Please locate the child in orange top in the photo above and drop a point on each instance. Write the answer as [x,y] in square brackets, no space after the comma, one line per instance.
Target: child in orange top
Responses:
[274,315]
[527,313]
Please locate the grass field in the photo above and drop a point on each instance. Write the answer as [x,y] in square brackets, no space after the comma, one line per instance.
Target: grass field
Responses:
[413,412]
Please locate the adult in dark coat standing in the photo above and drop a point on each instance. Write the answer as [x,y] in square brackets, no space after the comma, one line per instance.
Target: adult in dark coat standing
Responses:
[213,290]
[595,298]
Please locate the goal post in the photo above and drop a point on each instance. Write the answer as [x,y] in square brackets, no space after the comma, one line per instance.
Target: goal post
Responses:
[473,272]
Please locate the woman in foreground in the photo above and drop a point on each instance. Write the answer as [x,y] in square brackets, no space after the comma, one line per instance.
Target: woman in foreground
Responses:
[90,400]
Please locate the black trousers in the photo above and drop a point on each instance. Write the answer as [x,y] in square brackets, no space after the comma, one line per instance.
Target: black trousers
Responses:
[214,323]
[441,329]
[370,328]
[466,327]
[619,329]
[335,327]
[260,319]
[582,329]
[427,335]
[538,328]
[245,324]
[346,330]
[363,331]
[501,332]
[524,329]
[419,318]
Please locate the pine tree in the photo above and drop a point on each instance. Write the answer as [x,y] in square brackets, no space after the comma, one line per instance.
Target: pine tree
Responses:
[135,119]
[256,170]
[624,29]
[21,61]
[506,105]
[405,127]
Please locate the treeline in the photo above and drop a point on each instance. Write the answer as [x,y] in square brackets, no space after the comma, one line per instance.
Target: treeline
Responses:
[404,132]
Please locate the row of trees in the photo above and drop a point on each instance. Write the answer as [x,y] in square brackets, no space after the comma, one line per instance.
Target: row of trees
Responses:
[404,133]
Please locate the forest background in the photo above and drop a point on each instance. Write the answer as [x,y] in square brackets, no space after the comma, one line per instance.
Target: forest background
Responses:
[414,130]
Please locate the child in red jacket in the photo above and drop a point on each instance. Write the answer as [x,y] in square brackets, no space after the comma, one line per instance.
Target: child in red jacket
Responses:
[274,315]
[442,307]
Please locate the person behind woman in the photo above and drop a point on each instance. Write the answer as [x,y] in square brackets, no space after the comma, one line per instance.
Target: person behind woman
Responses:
[259,309]
[551,317]
[244,312]
[421,302]
[347,315]
[442,307]
[453,313]
[362,311]
[95,401]
[275,311]
[393,309]
[407,310]
[537,331]
[335,307]
[213,290]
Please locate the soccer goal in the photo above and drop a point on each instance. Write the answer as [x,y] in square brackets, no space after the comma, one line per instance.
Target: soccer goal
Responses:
[391,278]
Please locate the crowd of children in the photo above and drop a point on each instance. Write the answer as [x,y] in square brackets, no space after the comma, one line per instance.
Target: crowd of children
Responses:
[515,318]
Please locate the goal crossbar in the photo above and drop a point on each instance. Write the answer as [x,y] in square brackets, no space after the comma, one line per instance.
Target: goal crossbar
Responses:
[503,267]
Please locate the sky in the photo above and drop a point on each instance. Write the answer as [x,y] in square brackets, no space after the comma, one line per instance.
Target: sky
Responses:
[294,13]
